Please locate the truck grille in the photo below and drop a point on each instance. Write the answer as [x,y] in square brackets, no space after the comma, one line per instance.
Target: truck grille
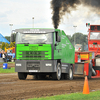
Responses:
[33,54]
[33,65]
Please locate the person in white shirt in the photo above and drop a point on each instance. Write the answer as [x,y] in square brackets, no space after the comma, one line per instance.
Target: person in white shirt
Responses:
[3,56]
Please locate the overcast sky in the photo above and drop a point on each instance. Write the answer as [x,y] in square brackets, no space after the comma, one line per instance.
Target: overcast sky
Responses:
[20,13]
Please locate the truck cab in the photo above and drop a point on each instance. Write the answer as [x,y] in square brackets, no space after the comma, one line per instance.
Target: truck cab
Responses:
[94,39]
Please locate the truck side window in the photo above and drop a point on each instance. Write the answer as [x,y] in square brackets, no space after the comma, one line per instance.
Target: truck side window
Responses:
[56,35]
[58,38]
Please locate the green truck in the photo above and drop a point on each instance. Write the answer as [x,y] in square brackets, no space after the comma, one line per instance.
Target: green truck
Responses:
[43,52]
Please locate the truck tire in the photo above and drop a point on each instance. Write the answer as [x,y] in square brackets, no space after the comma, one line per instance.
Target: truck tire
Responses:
[90,71]
[69,75]
[57,75]
[22,76]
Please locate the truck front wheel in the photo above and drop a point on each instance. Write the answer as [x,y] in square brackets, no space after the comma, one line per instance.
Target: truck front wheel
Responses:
[22,76]
[57,75]
[58,71]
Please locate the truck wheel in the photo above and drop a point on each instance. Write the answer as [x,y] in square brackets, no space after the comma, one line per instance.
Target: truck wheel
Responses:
[22,76]
[90,71]
[57,75]
[70,73]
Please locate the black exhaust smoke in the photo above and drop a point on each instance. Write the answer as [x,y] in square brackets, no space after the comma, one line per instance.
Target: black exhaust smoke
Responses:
[60,7]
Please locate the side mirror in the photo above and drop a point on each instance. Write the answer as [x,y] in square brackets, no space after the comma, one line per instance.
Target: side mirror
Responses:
[12,39]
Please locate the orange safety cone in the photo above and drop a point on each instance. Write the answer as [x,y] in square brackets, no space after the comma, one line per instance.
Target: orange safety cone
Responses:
[86,86]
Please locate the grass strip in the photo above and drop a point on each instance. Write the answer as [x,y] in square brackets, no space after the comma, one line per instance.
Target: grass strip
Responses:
[7,62]
[73,96]
[12,70]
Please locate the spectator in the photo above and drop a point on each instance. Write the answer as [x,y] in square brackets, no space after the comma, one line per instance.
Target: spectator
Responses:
[0,55]
[3,56]
[6,56]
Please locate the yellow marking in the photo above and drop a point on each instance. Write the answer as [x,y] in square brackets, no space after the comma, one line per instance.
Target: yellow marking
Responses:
[84,56]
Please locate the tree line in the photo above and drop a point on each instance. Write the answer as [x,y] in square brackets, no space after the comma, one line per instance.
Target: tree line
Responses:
[4,45]
[79,38]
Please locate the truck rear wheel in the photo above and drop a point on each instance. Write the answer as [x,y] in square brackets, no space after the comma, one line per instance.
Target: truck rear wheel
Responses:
[57,75]
[69,75]
[22,76]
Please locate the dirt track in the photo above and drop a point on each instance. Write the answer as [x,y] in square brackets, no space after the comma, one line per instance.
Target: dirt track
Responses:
[11,88]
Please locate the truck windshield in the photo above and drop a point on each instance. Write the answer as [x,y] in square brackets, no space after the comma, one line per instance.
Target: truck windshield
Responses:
[95,35]
[34,38]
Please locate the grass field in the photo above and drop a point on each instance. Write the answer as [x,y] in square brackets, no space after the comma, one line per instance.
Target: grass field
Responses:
[12,70]
[11,62]
[73,96]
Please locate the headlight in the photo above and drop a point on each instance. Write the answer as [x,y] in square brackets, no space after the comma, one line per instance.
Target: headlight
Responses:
[48,64]
[18,64]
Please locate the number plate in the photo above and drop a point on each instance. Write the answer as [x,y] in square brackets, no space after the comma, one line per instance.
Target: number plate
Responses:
[33,71]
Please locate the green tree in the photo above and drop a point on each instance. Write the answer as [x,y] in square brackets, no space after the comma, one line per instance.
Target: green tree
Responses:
[3,45]
[8,38]
[12,44]
[79,38]
[7,45]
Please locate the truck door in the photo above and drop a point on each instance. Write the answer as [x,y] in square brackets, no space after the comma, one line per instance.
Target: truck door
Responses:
[57,45]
